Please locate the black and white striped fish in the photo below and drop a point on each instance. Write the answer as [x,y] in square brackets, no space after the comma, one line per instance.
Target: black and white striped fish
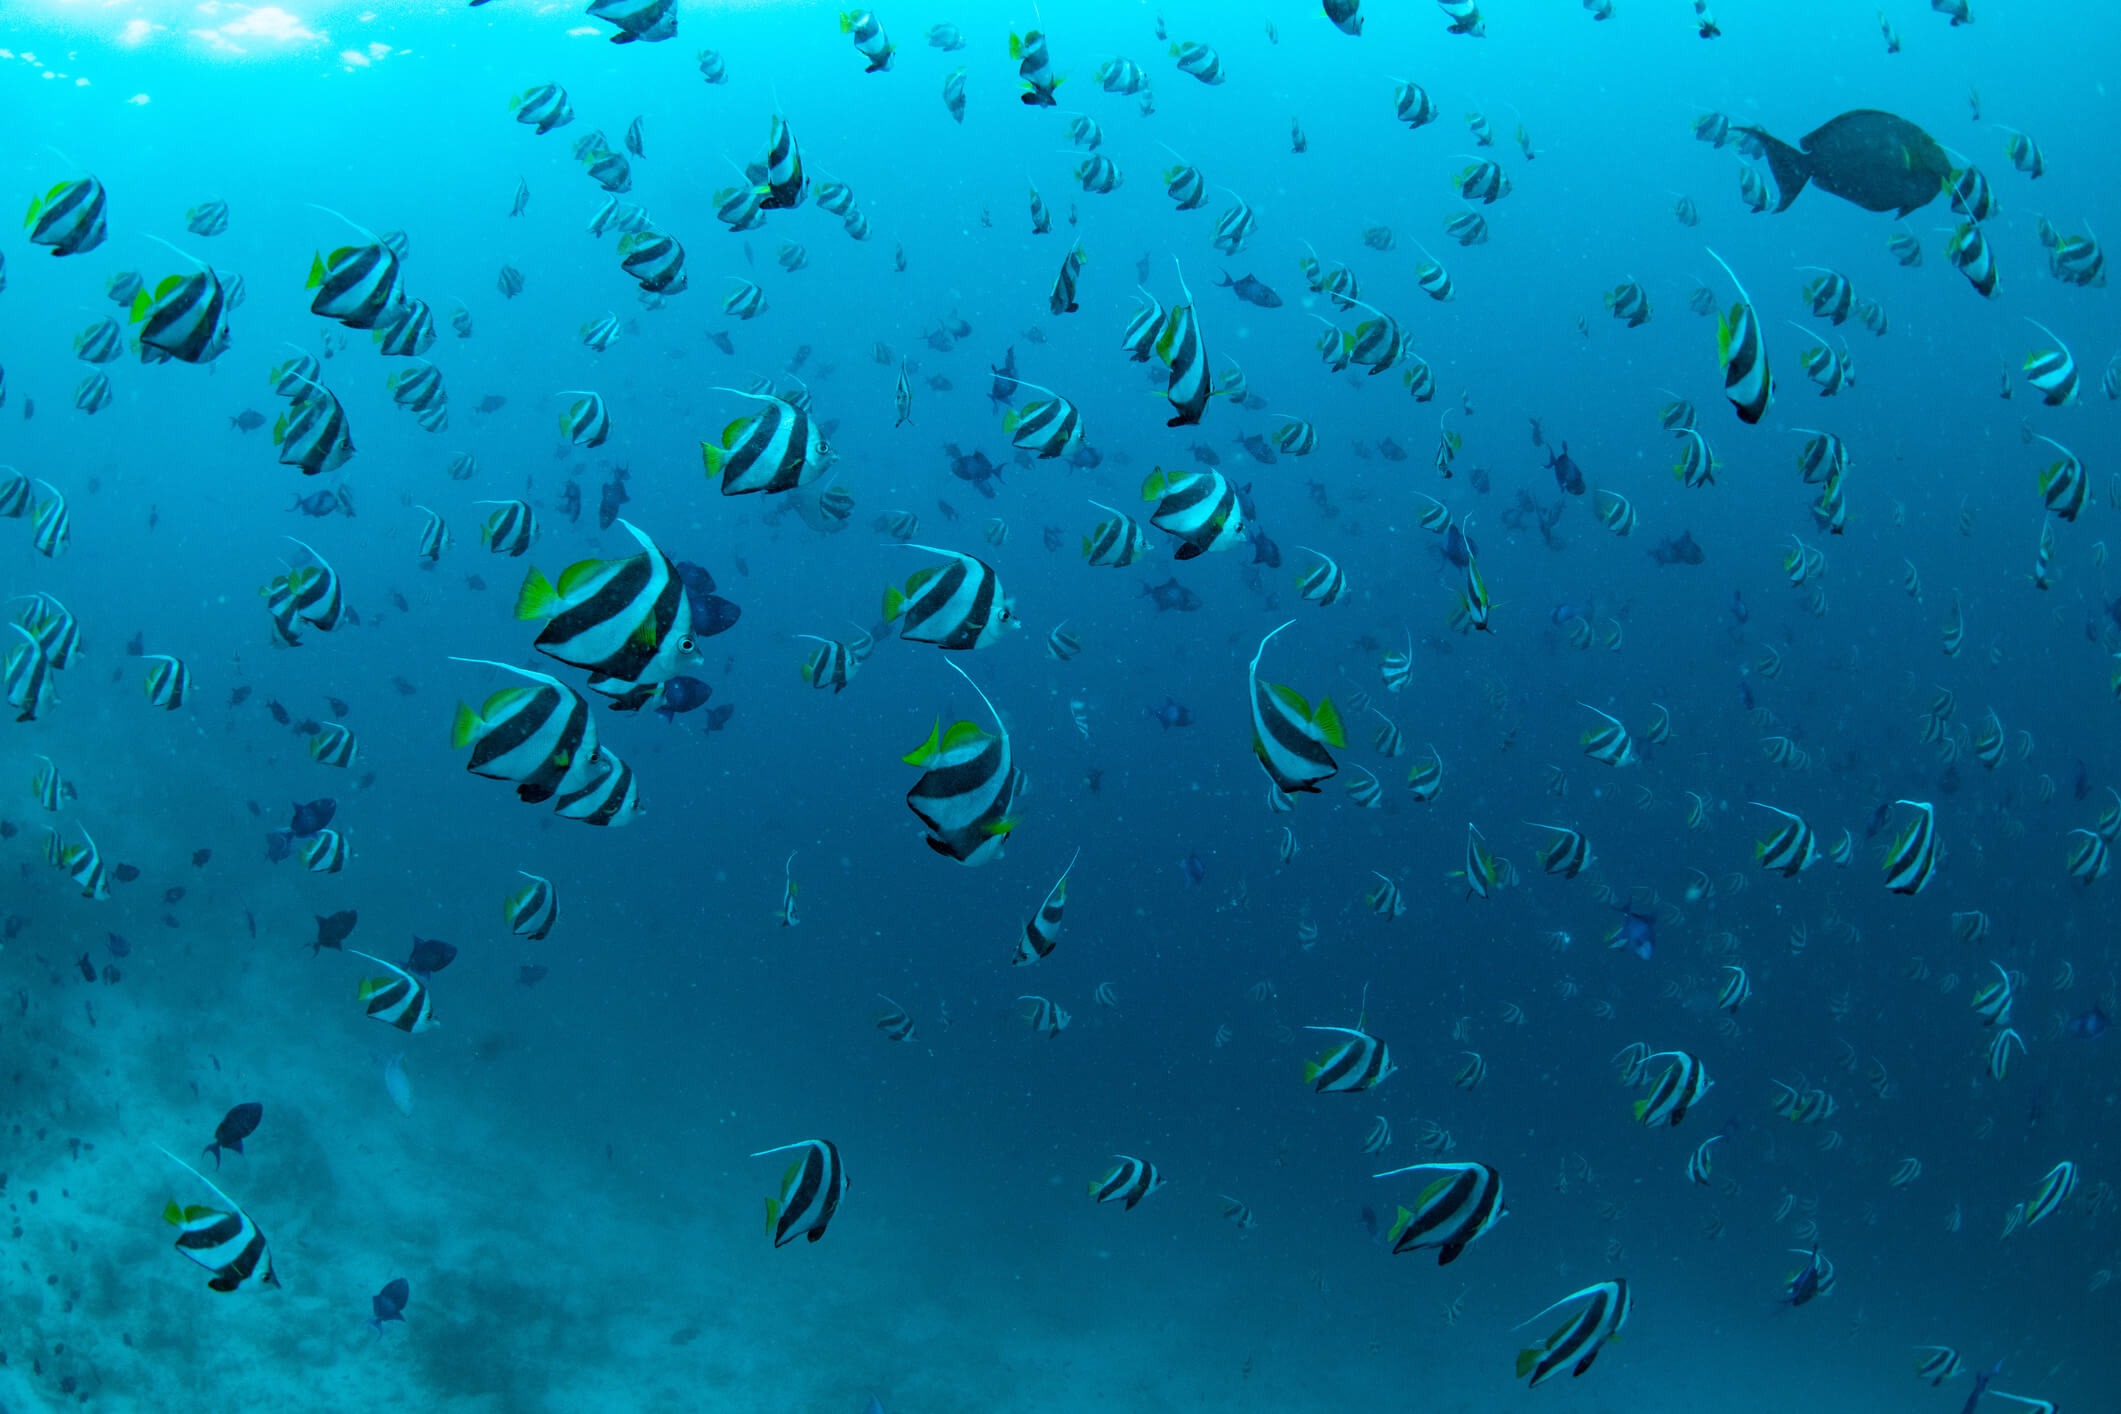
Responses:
[785,183]
[870,41]
[1582,1336]
[69,217]
[228,1244]
[1047,428]
[101,342]
[1117,542]
[542,737]
[168,682]
[831,665]
[357,285]
[968,788]
[313,434]
[959,605]
[401,999]
[51,523]
[324,852]
[896,1023]
[811,1191]
[333,744]
[1359,1063]
[586,422]
[627,619]
[1675,1091]
[27,673]
[612,796]
[654,260]
[1742,350]
[1042,933]
[510,529]
[532,910]
[407,330]
[1201,509]
[1130,1181]
[1460,1206]
[1184,352]
[543,107]
[1289,735]
[775,450]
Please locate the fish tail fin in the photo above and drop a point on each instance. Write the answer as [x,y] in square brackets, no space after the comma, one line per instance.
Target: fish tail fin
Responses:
[537,599]
[1791,167]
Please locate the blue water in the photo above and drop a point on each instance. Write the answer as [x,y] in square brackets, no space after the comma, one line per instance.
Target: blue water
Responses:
[571,1197]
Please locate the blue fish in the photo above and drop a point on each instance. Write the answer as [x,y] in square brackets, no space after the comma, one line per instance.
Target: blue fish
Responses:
[2089,1024]
[389,1303]
[1193,869]
[1172,714]
[711,613]
[313,816]
[682,694]
[1637,933]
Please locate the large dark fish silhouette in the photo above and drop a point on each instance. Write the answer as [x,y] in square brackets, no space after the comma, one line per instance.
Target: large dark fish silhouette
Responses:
[1879,161]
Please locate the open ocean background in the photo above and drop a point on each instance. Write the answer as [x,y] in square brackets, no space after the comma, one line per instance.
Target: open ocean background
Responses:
[570,1197]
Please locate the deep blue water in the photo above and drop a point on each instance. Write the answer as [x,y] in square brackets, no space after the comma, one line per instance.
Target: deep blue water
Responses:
[571,1198]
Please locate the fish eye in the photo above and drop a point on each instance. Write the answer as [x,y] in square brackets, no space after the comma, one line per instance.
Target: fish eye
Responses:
[686,645]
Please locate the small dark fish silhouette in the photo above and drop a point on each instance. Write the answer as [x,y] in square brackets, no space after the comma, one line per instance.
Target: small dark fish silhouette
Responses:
[118,946]
[1250,290]
[199,858]
[312,816]
[279,714]
[239,694]
[389,1303]
[234,1128]
[1205,454]
[1391,451]
[248,420]
[1567,475]
[332,932]
[530,974]
[318,503]
[1678,550]
[721,341]
[1172,595]
[429,956]
[492,402]
[1173,713]
[682,694]
[88,968]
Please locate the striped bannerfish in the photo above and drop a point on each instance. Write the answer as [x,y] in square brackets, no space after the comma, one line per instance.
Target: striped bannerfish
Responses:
[1628,303]
[1062,300]
[542,738]
[1747,381]
[1615,511]
[1042,933]
[1325,582]
[186,318]
[869,38]
[1434,279]
[533,909]
[1235,228]
[775,450]
[1199,60]
[313,434]
[54,626]
[1609,745]
[1122,76]
[14,493]
[83,864]
[832,665]
[1046,1015]
[746,301]
[1582,1336]
[1484,182]
[1970,194]
[1359,1063]
[1140,337]
[227,1244]
[1697,1164]
[1791,850]
[1117,542]
[1389,740]
[510,529]
[1464,16]
[1831,296]
[1419,378]
[654,260]
[713,69]
[1062,645]
[811,1191]
[960,605]
[509,282]
[1184,352]
[544,107]
[1968,251]
[1386,900]
[2087,862]
[1468,228]
[1186,185]
[585,423]
[28,675]
[1295,436]
[401,1000]
[609,170]
[967,788]
[50,790]
[1289,736]
[837,198]
[902,397]
[1912,860]
[1569,854]
[51,523]
[739,208]
[324,852]
[2052,371]
[1940,1364]
[1200,509]
[601,334]
[785,185]
[1042,220]
[2063,486]
[168,682]
[434,536]
[954,95]
[627,620]
[1397,669]
[896,1023]
[69,217]
[417,388]
[2054,1189]
[1130,1181]
[1240,1214]
[122,286]
[1823,455]
[357,285]
[1676,1091]
[1451,1212]
[333,744]
[1047,428]
[1412,105]
[1098,174]
[1034,65]
[406,330]
[298,377]
[1379,1138]
[1425,778]
[651,21]
[612,796]
[101,342]
[1377,343]
[459,320]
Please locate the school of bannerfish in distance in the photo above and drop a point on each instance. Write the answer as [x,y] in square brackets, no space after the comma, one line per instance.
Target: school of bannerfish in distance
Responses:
[629,623]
